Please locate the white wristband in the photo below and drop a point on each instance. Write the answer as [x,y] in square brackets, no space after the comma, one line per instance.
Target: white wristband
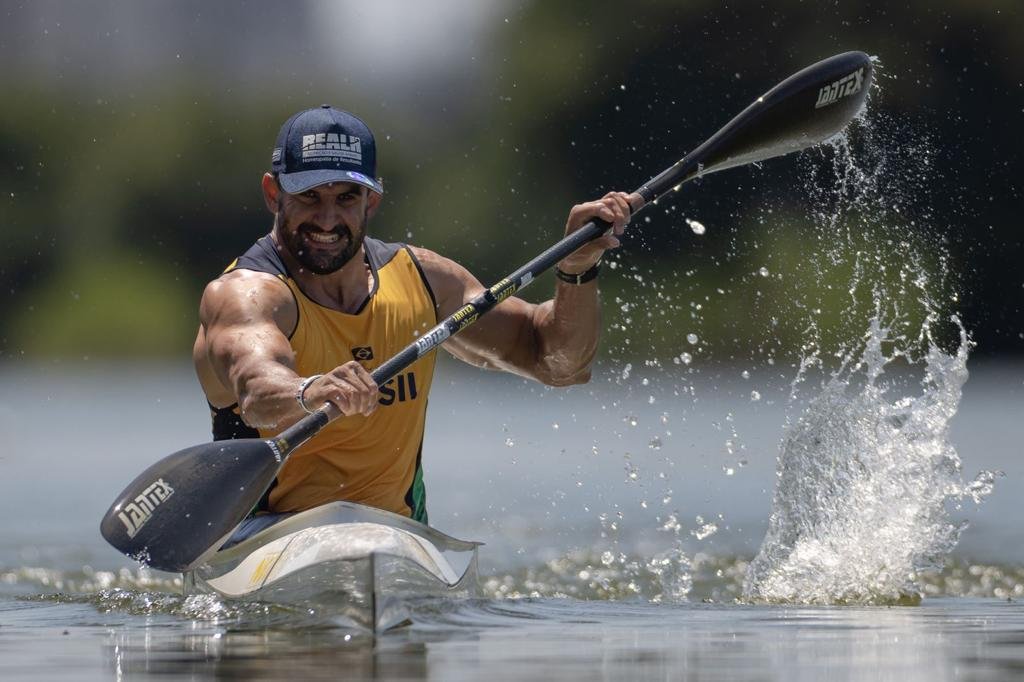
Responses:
[300,395]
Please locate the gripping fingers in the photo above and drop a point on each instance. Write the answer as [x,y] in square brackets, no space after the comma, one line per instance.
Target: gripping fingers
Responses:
[616,210]
[351,389]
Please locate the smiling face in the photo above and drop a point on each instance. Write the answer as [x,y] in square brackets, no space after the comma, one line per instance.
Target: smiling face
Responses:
[323,227]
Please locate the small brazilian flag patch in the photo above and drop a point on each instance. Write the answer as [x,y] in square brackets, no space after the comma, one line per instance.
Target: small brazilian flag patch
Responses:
[362,353]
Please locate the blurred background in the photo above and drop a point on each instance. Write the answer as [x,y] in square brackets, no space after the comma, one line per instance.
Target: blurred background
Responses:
[133,135]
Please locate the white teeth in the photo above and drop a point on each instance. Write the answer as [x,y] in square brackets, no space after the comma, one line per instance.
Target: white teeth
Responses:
[323,238]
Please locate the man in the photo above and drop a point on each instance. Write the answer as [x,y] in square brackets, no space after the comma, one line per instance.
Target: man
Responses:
[301,319]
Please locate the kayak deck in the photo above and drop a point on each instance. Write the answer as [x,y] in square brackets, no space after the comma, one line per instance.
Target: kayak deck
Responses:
[359,564]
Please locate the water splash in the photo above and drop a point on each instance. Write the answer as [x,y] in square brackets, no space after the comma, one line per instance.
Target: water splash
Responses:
[864,478]
[867,471]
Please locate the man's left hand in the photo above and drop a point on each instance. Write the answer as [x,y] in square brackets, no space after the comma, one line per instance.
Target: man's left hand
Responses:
[614,208]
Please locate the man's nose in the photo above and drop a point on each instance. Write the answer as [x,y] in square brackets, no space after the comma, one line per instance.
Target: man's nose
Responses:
[328,215]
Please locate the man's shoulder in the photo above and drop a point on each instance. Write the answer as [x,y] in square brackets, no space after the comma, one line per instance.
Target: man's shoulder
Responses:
[450,283]
[242,277]
[434,262]
[247,298]
[246,292]
[380,252]
[259,272]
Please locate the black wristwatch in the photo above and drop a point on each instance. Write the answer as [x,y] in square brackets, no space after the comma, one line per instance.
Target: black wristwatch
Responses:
[579,278]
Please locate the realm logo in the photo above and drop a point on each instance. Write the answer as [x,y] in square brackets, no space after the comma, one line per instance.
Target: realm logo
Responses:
[136,513]
[331,147]
[844,87]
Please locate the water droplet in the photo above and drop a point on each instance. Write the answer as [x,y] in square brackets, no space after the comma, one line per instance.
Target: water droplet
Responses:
[698,228]
[671,524]
[509,442]
[755,396]
[654,443]
[763,271]
[632,473]
[692,338]
[705,530]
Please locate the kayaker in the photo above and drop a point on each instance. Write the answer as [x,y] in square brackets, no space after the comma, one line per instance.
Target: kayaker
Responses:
[310,309]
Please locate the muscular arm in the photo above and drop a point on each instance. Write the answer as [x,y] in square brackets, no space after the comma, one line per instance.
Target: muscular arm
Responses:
[553,342]
[243,351]
[541,342]
[245,318]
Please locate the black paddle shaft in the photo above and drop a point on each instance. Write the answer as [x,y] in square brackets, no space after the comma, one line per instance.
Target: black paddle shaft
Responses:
[177,512]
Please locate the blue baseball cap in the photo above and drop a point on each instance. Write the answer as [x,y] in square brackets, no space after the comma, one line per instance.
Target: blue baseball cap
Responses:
[322,145]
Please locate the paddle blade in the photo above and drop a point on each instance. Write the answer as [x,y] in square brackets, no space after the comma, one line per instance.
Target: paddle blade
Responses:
[809,107]
[178,510]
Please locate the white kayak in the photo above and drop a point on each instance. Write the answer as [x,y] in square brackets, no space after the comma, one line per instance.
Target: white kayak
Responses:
[362,565]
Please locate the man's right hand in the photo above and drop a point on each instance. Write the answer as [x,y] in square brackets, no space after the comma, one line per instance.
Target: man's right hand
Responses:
[348,390]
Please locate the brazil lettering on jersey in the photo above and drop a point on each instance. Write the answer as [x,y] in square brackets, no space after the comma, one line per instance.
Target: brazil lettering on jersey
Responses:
[375,460]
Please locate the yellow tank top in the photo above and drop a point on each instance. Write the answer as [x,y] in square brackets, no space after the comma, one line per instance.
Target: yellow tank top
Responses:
[375,460]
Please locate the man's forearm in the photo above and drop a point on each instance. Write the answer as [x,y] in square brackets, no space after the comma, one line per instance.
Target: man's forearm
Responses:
[268,401]
[569,333]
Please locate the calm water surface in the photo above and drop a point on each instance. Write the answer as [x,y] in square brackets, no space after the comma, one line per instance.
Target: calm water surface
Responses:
[559,485]
[946,638]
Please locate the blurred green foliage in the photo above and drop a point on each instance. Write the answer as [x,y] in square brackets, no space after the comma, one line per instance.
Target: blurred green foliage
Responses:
[115,306]
[120,202]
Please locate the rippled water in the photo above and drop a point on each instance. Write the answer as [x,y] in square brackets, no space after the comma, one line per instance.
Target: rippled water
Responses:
[530,638]
[570,588]
[577,580]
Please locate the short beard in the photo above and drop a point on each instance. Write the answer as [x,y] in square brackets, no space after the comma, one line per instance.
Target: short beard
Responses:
[314,261]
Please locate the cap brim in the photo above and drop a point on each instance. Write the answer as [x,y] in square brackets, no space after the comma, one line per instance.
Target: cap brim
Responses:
[293,183]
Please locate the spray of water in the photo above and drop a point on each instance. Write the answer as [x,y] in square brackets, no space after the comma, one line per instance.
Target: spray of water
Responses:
[863,483]
[867,471]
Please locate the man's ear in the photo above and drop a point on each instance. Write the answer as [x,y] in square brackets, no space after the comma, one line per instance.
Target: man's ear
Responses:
[271,192]
[372,203]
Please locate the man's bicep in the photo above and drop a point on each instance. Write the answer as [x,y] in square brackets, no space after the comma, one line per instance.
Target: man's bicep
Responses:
[503,339]
[233,348]
[242,330]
